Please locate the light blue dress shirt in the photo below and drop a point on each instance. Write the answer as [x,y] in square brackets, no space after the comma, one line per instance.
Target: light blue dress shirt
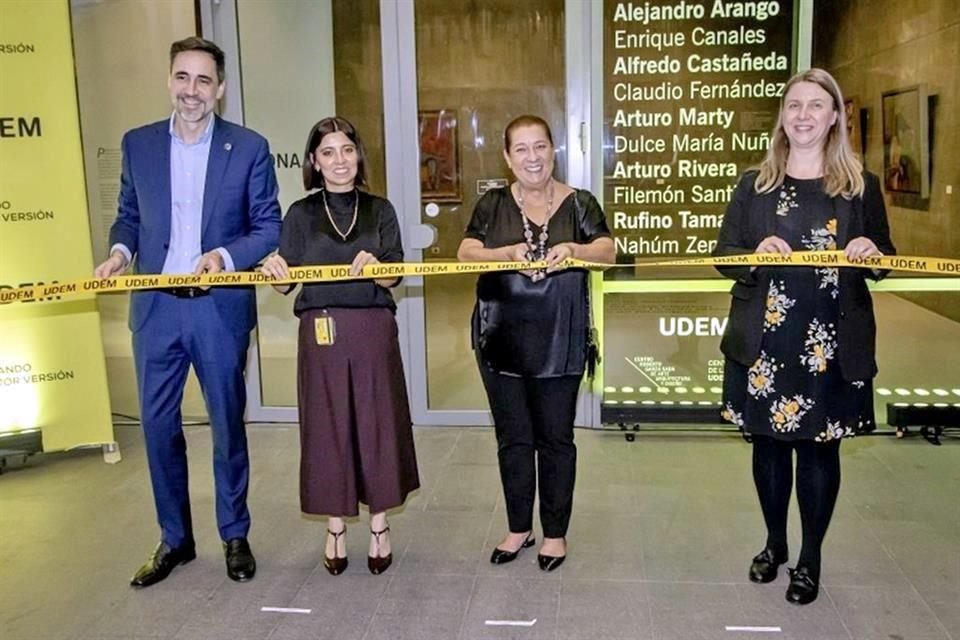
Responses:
[188,174]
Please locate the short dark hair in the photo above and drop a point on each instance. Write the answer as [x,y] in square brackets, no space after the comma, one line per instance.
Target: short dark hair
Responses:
[313,179]
[526,120]
[195,43]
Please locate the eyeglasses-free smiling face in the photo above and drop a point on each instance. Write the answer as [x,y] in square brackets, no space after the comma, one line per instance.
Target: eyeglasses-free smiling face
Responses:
[808,115]
[336,159]
[531,155]
[194,86]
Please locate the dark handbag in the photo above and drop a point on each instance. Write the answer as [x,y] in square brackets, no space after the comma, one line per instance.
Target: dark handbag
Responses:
[593,336]
[593,350]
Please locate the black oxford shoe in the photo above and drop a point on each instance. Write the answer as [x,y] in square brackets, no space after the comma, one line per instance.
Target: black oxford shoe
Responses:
[502,556]
[763,569]
[161,563]
[803,588]
[241,565]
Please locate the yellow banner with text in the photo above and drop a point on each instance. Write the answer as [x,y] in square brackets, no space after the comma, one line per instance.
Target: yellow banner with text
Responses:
[52,372]
[341,272]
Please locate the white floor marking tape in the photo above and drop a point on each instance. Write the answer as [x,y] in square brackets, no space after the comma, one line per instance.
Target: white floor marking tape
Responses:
[510,623]
[756,629]
[284,610]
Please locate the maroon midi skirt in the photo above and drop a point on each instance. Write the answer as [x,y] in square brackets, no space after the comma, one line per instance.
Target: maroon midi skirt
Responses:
[356,438]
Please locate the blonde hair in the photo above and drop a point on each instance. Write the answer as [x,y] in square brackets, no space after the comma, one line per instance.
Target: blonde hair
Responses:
[842,171]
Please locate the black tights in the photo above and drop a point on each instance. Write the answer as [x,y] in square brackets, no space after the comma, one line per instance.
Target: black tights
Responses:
[818,483]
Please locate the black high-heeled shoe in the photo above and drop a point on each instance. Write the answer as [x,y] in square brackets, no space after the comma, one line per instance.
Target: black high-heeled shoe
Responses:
[336,565]
[377,564]
[764,567]
[502,556]
[803,588]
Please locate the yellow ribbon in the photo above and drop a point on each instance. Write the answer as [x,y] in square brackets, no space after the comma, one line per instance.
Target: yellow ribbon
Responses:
[341,272]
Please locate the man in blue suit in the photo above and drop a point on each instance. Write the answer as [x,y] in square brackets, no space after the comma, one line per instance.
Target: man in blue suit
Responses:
[197,195]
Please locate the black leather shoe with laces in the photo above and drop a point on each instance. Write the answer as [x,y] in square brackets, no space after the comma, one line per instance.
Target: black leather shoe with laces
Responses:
[164,560]
[241,565]
[763,569]
[803,588]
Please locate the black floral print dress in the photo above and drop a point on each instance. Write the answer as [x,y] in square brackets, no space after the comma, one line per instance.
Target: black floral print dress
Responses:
[794,391]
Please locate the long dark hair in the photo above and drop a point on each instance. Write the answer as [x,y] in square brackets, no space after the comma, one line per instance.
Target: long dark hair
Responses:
[313,179]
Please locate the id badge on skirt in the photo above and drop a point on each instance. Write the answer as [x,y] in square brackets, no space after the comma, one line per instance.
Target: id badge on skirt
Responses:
[325,329]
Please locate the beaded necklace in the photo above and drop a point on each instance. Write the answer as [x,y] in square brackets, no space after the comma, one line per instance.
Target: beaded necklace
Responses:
[536,250]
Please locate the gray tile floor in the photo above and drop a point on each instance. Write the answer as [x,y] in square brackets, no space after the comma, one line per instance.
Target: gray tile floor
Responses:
[662,534]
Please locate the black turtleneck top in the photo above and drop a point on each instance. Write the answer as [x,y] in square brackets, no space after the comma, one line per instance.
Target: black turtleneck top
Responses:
[308,238]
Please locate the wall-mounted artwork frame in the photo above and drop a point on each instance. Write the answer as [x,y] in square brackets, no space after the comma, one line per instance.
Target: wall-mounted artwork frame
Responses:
[906,140]
[851,110]
[439,156]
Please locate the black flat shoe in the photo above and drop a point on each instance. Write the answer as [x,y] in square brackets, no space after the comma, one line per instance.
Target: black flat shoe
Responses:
[764,566]
[378,564]
[549,563]
[502,556]
[335,565]
[803,588]
[161,563]
[241,565]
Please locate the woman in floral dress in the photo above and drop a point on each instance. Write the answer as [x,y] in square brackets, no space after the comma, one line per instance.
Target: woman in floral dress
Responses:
[800,341]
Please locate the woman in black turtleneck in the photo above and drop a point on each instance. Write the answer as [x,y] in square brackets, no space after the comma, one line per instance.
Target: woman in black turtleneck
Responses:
[355,431]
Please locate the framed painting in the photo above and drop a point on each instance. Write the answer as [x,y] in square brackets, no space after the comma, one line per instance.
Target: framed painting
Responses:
[906,154]
[851,110]
[439,156]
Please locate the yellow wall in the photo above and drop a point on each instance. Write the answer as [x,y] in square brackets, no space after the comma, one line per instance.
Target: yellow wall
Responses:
[52,374]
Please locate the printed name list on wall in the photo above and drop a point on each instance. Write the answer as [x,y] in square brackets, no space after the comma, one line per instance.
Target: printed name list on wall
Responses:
[691,92]
[52,372]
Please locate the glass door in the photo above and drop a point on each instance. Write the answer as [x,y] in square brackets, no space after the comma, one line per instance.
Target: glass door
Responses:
[290,64]
[430,85]
[463,71]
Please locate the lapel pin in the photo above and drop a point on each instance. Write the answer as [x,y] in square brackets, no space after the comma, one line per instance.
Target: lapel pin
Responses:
[227,146]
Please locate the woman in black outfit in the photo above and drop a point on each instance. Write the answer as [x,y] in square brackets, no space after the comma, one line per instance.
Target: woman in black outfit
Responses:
[800,340]
[356,439]
[530,332]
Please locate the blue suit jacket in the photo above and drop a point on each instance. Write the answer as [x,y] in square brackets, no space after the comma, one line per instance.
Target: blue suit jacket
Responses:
[240,210]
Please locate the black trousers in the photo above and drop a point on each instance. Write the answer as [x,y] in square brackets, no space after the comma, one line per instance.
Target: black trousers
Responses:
[818,484]
[533,419]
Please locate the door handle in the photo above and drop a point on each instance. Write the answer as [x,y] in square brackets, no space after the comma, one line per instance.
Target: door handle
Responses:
[420,236]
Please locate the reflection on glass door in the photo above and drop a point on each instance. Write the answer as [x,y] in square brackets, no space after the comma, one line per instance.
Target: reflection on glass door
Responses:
[301,61]
[117,92]
[477,68]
